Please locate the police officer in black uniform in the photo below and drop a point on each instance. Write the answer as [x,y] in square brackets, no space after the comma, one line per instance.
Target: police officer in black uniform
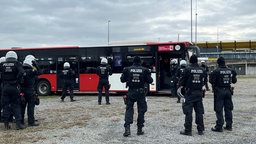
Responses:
[68,76]
[193,81]
[12,73]
[206,68]
[221,79]
[174,80]
[179,72]
[27,87]
[136,77]
[103,71]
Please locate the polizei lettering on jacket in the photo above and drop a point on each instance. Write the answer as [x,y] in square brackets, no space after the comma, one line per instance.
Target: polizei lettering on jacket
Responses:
[8,64]
[199,71]
[136,70]
[225,72]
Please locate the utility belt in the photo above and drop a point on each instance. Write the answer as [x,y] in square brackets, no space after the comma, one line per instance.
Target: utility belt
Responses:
[190,89]
[27,87]
[140,90]
[223,87]
[10,82]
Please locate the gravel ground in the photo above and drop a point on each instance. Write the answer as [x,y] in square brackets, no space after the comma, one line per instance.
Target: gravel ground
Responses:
[84,121]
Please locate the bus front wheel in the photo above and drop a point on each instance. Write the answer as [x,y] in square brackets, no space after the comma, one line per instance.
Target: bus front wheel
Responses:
[43,88]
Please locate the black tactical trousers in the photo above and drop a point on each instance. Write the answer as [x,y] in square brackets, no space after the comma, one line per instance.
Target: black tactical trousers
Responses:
[11,102]
[223,99]
[30,104]
[103,83]
[67,85]
[135,95]
[188,111]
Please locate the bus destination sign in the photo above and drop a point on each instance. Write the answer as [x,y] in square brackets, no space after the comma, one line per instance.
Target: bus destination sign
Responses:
[132,49]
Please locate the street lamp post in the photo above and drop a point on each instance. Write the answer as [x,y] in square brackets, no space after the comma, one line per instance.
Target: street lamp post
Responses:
[108,30]
[191,22]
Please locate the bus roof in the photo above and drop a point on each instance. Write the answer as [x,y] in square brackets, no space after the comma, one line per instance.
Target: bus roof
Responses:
[32,48]
[169,42]
[111,45]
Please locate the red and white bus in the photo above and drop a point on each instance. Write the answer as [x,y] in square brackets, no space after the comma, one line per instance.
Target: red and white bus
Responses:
[84,60]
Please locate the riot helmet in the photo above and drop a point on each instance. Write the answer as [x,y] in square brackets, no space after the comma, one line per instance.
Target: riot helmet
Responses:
[183,63]
[104,61]
[27,62]
[202,62]
[11,55]
[66,65]
[2,59]
[30,57]
[174,61]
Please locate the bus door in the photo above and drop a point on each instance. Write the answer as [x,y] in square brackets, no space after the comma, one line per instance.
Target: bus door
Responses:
[164,75]
[73,61]
[165,54]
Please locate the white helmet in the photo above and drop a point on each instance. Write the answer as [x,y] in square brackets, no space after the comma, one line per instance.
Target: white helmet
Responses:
[2,59]
[174,61]
[66,65]
[183,63]
[27,62]
[104,61]
[30,57]
[11,54]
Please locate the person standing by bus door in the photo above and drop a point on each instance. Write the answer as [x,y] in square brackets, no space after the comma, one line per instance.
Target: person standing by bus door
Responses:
[174,80]
[206,68]
[180,70]
[103,71]
[12,73]
[136,77]
[27,87]
[193,81]
[221,79]
[68,76]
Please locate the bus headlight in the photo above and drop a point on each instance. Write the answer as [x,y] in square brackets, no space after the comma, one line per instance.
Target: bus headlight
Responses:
[177,47]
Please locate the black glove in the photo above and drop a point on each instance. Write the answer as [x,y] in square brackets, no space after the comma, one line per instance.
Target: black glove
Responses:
[124,97]
[232,90]
[35,65]
[22,99]
[37,100]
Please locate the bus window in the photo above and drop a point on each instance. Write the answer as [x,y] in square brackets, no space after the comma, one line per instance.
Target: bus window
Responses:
[47,66]
[89,65]
[146,61]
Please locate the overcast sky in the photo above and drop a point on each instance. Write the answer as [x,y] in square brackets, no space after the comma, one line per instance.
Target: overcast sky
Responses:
[36,23]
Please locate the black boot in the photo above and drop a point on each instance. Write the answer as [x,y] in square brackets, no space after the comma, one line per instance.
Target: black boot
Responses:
[217,129]
[19,126]
[127,131]
[185,132]
[1,120]
[140,131]
[36,123]
[7,126]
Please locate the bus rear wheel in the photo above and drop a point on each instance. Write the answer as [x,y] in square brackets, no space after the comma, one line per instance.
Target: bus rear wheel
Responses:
[43,88]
